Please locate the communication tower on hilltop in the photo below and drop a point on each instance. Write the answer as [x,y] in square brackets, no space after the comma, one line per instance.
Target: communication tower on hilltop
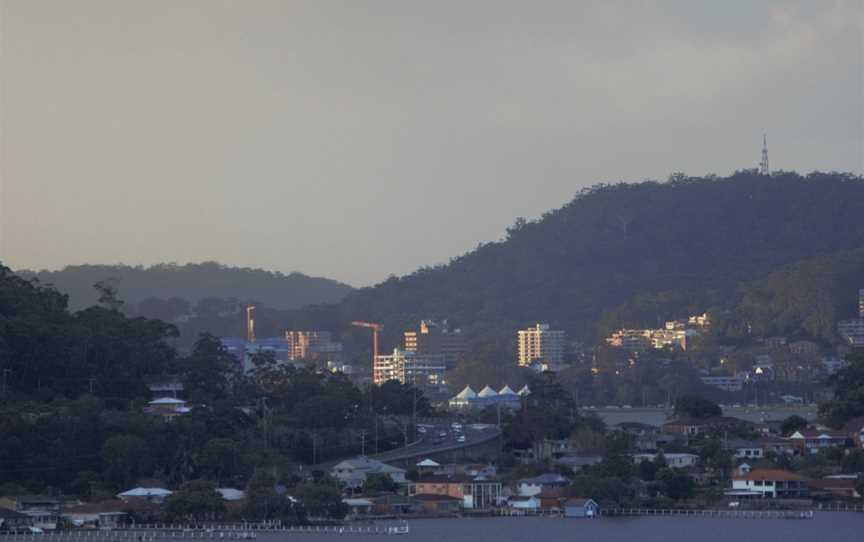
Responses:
[763,165]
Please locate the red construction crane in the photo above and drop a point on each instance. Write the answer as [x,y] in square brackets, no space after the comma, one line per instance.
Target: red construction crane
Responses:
[376,330]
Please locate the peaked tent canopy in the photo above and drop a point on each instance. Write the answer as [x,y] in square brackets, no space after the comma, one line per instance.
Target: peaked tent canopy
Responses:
[487,392]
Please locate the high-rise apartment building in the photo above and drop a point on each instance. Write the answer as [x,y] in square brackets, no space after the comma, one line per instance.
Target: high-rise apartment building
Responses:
[312,346]
[409,368]
[541,344]
[436,339]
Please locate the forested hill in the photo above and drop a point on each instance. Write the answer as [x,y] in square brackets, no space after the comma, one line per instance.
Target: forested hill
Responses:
[611,242]
[192,283]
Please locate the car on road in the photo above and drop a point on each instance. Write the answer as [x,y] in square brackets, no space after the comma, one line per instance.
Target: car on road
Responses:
[460,438]
[421,429]
[442,434]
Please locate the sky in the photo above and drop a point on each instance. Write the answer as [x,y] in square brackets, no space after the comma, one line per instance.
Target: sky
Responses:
[363,138]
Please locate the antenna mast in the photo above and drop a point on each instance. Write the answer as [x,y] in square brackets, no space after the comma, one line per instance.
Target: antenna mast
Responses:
[763,165]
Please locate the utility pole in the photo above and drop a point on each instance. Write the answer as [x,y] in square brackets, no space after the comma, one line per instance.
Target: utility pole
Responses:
[363,443]
[314,448]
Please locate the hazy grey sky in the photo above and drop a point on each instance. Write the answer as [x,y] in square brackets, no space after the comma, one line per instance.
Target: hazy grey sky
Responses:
[361,138]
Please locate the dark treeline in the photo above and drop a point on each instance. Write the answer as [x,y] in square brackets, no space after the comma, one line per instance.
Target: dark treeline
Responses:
[175,289]
[613,242]
[74,396]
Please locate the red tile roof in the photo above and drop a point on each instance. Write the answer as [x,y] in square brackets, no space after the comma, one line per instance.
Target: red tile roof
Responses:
[776,475]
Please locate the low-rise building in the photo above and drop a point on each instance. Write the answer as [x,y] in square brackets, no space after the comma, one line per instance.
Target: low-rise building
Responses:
[438,504]
[725,383]
[529,487]
[773,483]
[813,440]
[352,473]
[148,494]
[581,508]
[475,492]
[744,449]
[676,460]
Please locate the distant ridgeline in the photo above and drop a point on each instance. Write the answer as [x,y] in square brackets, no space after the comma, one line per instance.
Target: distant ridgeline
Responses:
[654,251]
[189,283]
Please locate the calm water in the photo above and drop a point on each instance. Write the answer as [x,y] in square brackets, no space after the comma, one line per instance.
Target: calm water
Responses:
[826,527]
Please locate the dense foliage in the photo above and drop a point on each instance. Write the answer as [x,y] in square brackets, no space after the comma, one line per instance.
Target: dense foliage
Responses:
[613,242]
[74,412]
[163,290]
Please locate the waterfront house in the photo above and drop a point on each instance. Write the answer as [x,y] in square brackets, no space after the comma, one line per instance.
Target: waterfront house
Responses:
[109,514]
[533,486]
[842,487]
[358,507]
[13,522]
[524,503]
[814,440]
[581,508]
[44,511]
[352,473]
[392,504]
[475,492]
[438,504]
[773,483]
[149,494]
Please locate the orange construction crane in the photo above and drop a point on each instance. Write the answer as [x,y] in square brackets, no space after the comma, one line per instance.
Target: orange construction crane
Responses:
[376,330]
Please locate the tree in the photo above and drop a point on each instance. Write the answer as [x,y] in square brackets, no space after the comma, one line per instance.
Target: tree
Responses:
[377,482]
[321,500]
[195,500]
[692,406]
[126,458]
[677,484]
[848,384]
[219,457]
[792,424]
[208,369]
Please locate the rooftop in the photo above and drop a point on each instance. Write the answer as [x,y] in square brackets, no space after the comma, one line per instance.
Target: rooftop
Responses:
[775,475]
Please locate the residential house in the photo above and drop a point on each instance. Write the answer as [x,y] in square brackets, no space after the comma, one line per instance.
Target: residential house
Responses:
[529,487]
[392,504]
[773,483]
[352,473]
[694,427]
[814,440]
[474,492]
[14,522]
[438,504]
[744,449]
[524,503]
[167,407]
[843,488]
[581,508]
[358,507]
[44,511]
[779,446]
[109,514]
[677,460]
[149,494]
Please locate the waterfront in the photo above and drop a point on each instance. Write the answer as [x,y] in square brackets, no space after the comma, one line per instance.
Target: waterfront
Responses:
[826,527]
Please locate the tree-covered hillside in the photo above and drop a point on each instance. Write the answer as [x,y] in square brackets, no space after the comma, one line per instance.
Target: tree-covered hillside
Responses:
[192,283]
[612,242]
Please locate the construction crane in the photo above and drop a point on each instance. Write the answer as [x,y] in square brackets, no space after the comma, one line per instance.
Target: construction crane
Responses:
[376,331]
[250,324]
